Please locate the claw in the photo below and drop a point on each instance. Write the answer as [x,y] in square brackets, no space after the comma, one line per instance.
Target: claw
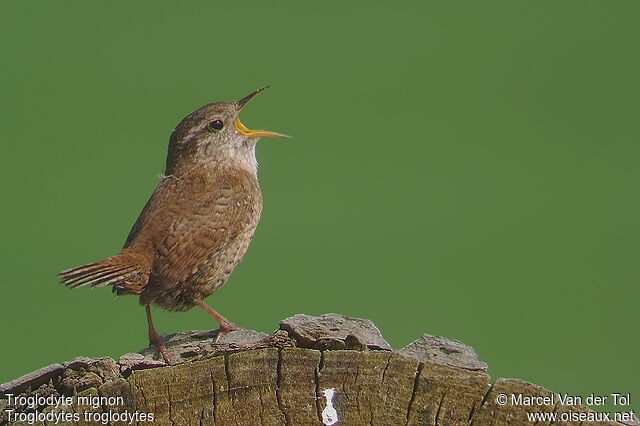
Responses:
[155,339]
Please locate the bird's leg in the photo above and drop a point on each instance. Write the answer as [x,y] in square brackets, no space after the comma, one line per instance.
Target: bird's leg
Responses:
[225,325]
[154,337]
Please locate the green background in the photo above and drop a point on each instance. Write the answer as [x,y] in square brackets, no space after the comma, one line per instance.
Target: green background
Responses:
[465,169]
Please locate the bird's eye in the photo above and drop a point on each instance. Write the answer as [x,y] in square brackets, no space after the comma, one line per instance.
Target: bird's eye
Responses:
[215,125]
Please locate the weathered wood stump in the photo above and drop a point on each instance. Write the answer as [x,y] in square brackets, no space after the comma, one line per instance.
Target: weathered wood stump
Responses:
[312,370]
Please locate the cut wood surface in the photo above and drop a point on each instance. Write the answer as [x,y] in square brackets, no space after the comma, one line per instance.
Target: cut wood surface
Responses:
[330,369]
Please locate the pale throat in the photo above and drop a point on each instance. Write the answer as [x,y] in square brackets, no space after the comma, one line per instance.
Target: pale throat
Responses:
[236,155]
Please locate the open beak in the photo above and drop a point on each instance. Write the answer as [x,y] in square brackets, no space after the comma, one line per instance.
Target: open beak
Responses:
[253,133]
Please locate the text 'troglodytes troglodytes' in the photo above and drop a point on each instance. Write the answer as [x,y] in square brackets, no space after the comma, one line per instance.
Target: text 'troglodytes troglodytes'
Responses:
[197,225]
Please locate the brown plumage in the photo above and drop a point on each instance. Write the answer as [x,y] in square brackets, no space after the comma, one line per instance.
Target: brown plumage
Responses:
[198,223]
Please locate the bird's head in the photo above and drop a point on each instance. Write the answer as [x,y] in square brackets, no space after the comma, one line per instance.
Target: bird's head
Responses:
[214,135]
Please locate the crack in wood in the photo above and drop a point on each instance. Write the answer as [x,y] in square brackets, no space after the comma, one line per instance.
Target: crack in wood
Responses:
[317,383]
[473,409]
[440,407]
[415,388]
[170,404]
[383,382]
[213,394]
[279,379]
[482,403]
[228,376]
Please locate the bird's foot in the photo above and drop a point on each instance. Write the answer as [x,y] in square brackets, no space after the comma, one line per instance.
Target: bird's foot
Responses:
[156,340]
[225,327]
[228,326]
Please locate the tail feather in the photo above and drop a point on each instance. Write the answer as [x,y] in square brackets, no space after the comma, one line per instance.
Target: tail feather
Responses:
[126,271]
[95,277]
[122,279]
[81,271]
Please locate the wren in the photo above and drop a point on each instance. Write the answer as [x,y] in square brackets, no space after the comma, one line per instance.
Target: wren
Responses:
[198,223]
